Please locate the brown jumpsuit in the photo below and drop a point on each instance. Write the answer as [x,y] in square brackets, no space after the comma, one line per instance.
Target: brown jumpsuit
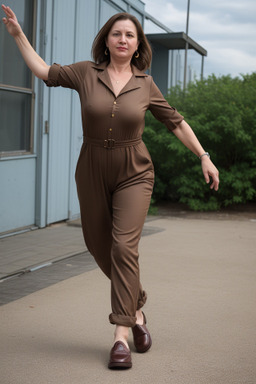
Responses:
[114,173]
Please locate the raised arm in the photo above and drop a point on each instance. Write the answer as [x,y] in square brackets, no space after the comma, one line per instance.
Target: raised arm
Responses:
[32,59]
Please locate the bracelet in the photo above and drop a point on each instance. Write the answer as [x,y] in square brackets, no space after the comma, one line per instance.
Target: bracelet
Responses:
[204,154]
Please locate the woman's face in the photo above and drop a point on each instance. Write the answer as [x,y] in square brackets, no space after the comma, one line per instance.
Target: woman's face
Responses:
[122,40]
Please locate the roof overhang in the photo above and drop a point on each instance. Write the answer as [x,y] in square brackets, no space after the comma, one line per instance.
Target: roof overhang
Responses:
[176,40]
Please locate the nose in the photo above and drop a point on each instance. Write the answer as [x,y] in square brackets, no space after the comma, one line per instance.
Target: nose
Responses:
[123,39]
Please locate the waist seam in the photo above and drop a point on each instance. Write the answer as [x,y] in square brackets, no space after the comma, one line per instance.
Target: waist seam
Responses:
[112,143]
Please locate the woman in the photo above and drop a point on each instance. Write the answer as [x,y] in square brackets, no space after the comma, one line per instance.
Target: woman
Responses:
[114,173]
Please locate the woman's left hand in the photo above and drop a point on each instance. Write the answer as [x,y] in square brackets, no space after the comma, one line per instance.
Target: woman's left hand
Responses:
[209,170]
[186,135]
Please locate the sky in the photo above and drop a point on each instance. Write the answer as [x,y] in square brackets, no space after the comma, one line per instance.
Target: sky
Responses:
[225,28]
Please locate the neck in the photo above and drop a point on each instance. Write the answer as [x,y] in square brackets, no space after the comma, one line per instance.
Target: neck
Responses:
[120,67]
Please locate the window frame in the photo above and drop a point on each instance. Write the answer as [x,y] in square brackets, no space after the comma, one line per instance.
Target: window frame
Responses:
[27,91]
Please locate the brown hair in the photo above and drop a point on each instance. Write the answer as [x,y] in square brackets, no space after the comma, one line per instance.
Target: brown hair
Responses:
[99,45]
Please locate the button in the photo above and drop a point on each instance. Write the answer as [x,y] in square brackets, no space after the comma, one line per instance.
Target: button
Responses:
[112,115]
[110,129]
[114,102]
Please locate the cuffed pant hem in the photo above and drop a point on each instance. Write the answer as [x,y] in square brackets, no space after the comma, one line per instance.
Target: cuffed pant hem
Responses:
[126,321]
[142,300]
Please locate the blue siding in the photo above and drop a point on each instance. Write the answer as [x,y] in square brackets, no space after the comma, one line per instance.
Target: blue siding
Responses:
[160,67]
[17,207]
[86,27]
[60,114]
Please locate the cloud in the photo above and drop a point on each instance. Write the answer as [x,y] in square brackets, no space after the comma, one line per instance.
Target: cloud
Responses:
[168,14]
[228,61]
[225,28]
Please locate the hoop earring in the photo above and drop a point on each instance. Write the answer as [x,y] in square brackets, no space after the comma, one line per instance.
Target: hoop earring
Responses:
[106,51]
[136,55]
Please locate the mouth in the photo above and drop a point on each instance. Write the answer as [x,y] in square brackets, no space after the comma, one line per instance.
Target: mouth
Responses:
[122,49]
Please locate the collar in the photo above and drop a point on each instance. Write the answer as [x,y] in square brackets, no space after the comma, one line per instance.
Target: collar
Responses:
[132,84]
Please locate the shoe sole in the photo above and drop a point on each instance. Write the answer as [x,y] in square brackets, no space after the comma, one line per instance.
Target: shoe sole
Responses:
[119,365]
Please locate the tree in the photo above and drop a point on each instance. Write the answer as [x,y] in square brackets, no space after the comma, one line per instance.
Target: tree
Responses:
[222,113]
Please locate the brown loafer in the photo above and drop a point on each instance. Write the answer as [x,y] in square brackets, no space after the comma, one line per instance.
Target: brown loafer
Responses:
[141,337]
[120,357]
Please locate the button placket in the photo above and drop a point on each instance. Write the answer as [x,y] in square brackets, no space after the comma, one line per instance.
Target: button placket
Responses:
[110,130]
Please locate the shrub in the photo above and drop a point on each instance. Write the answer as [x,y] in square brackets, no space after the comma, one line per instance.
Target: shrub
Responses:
[222,113]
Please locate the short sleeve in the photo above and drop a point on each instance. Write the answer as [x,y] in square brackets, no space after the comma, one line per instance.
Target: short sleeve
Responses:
[161,109]
[67,76]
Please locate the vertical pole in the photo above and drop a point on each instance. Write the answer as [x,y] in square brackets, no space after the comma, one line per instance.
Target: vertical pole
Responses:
[202,68]
[172,67]
[186,48]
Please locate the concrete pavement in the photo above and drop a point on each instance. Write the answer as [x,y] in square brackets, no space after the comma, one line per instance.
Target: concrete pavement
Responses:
[200,277]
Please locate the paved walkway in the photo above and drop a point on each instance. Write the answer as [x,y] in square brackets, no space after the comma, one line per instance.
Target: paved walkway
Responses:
[200,276]
[36,248]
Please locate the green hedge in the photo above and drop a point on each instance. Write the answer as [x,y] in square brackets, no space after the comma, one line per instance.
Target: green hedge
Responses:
[222,113]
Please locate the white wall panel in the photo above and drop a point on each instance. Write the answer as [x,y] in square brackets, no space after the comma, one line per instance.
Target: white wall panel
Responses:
[60,114]
[122,4]
[138,4]
[17,193]
[106,11]
[137,14]
[87,13]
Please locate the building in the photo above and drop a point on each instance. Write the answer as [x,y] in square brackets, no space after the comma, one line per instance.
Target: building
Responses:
[40,128]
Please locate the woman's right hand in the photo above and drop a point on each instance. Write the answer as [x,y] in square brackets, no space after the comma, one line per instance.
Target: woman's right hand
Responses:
[11,22]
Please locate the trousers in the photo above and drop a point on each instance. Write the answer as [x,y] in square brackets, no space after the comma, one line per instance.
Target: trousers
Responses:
[114,185]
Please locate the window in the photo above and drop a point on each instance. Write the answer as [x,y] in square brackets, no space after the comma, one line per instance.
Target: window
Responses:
[16,86]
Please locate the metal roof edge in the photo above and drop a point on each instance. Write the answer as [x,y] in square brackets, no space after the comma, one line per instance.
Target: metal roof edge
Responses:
[180,39]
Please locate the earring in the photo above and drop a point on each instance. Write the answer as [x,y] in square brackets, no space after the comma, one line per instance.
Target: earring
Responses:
[137,55]
[106,51]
